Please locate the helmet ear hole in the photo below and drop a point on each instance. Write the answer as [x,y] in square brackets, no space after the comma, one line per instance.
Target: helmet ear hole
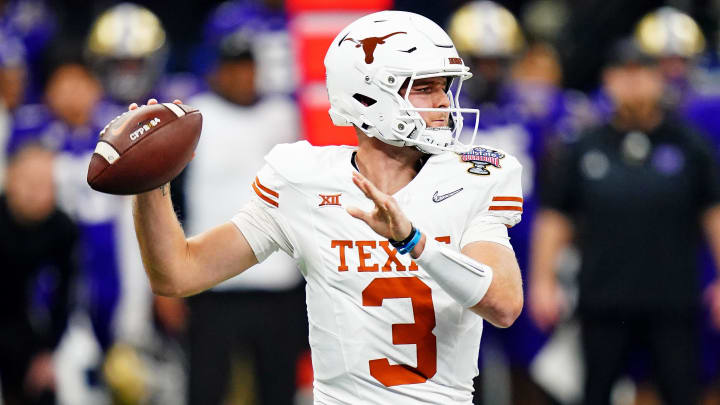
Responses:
[364,100]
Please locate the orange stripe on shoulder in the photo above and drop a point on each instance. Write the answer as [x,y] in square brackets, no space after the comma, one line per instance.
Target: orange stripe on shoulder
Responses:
[516,199]
[265,189]
[504,208]
[264,197]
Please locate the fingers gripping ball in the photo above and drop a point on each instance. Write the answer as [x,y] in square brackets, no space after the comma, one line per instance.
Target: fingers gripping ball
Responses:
[144,148]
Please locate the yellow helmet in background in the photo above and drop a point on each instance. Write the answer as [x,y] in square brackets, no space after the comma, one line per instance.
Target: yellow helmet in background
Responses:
[127,47]
[485,29]
[126,30]
[668,32]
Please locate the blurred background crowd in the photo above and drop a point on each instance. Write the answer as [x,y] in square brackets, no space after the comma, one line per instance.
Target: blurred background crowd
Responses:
[612,107]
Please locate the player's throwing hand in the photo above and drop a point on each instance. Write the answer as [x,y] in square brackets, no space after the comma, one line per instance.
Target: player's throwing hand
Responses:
[386,218]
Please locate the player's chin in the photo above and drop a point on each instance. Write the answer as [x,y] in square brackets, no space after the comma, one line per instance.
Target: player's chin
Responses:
[441,123]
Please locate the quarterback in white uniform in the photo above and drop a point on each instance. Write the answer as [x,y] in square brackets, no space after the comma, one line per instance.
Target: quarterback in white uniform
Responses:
[402,240]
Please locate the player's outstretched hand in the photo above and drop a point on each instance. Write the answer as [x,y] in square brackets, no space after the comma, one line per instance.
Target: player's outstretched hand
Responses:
[386,219]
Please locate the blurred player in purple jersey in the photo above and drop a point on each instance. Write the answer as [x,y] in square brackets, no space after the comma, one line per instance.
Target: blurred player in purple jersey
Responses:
[69,122]
[128,49]
[522,108]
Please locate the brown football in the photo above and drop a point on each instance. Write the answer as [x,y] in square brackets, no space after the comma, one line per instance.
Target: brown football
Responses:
[144,148]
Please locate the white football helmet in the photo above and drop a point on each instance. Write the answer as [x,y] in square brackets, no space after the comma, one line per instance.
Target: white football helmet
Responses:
[371,59]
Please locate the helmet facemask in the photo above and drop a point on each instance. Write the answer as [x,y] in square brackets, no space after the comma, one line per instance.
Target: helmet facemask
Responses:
[408,127]
[437,139]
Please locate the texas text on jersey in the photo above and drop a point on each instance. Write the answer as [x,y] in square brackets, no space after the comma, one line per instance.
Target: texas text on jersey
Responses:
[377,319]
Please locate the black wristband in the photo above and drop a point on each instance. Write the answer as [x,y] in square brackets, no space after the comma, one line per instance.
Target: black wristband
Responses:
[405,241]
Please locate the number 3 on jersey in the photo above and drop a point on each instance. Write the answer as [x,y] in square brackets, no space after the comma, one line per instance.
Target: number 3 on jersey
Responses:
[418,333]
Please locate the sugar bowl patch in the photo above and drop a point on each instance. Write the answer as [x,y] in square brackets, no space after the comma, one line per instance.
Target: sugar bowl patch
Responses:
[480,159]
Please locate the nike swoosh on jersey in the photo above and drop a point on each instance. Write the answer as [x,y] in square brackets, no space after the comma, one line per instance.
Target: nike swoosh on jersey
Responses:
[437,198]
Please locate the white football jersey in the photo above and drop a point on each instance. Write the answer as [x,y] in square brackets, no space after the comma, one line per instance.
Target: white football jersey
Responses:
[381,329]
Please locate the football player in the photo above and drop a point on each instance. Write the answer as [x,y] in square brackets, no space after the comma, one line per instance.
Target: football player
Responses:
[402,239]
[127,48]
[222,159]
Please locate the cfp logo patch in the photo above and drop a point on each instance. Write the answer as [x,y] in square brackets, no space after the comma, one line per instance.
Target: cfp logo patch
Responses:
[480,159]
[144,128]
[329,200]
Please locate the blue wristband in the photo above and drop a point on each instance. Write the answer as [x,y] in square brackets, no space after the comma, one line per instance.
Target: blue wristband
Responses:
[406,248]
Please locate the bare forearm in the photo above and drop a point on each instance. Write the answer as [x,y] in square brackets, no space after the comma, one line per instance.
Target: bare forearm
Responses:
[162,241]
[177,266]
[504,300]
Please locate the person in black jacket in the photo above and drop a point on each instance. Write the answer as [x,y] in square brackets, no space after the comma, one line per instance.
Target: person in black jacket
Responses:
[37,243]
[636,195]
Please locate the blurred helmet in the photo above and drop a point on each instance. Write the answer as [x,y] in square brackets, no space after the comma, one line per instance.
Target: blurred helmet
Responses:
[232,31]
[265,27]
[486,29]
[128,49]
[370,60]
[669,32]
[237,15]
[544,20]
